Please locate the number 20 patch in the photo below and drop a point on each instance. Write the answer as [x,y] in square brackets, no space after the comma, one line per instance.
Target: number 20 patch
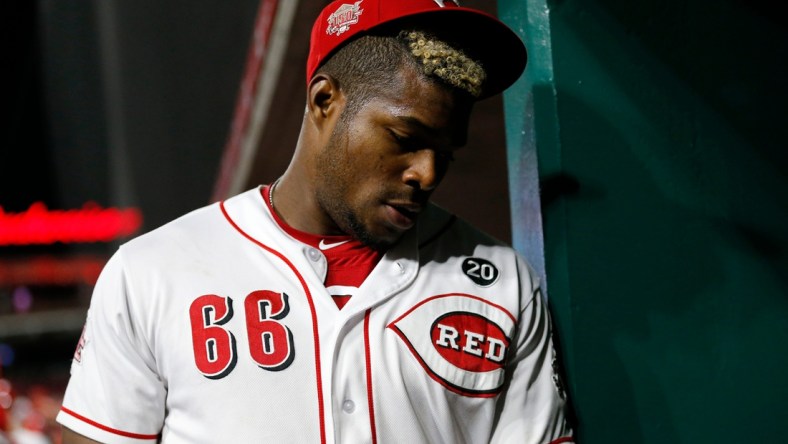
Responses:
[481,271]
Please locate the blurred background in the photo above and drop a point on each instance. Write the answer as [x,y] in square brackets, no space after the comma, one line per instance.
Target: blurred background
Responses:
[639,164]
[116,118]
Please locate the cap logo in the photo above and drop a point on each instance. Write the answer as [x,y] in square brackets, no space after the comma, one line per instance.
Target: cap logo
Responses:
[343,17]
[442,3]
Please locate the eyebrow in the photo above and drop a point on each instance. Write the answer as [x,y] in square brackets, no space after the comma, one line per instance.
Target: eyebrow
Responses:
[430,131]
[413,121]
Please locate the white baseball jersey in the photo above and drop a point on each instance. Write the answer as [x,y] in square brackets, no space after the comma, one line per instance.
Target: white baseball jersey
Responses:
[217,328]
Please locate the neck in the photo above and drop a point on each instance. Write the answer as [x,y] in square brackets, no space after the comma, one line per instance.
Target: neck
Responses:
[293,199]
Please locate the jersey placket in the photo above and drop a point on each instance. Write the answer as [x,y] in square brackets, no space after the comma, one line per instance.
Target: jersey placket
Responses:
[352,397]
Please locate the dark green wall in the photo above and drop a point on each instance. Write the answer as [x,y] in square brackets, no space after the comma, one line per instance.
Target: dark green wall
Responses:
[660,131]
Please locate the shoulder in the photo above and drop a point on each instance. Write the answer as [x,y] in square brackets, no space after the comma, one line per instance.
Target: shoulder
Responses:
[188,226]
[440,229]
[446,238]
[199,233]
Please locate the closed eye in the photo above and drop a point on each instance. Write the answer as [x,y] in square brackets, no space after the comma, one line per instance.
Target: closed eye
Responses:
[407,142]
[411,144]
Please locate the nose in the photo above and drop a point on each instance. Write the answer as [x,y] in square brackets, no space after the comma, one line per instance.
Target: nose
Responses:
[425,170]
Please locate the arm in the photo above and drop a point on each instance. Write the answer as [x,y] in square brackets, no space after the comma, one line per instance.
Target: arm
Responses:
[534,406]
[71,437]
[114,394]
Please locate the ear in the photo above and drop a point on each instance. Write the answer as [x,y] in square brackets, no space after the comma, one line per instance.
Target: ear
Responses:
[325,99]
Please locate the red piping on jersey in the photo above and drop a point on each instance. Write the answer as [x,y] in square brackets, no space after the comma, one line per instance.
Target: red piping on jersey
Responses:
[453,294]
[108,429]
[311,309]
[438,379]
[562,440]
[368,359]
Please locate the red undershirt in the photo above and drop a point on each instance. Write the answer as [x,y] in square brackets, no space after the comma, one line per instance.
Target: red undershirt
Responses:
[349,261]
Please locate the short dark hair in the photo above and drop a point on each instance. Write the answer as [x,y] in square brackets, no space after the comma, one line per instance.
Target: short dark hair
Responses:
[364,65]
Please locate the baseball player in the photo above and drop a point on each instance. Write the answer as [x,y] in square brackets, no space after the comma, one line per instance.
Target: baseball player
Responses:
[336,305]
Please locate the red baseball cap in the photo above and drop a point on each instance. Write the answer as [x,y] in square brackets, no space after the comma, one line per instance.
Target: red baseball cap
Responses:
[479,34]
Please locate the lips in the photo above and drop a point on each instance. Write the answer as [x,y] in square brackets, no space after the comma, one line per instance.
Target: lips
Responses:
[402,215]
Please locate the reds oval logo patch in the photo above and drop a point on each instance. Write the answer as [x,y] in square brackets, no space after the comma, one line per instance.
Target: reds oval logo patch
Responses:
[470,342]
[461,341]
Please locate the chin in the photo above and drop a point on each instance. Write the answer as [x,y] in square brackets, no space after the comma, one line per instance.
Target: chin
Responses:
[379,236]
[378,242]
[380,239]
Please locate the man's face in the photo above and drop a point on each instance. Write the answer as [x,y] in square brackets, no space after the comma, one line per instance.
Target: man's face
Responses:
[380,166]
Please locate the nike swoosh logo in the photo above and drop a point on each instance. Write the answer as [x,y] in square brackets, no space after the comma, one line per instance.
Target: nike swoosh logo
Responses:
[324,246]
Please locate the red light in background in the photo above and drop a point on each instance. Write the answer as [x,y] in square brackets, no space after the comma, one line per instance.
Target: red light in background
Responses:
[91,223]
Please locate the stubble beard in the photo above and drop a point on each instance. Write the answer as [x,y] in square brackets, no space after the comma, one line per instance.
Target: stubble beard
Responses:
[336,183]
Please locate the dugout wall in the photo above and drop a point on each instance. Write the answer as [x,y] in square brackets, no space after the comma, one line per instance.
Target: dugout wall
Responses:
[659,131]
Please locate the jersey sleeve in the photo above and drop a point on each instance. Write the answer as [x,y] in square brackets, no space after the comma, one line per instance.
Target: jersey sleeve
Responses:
[534,404]
[114,394]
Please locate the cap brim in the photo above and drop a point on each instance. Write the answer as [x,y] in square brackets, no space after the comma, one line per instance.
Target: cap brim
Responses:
[483,37]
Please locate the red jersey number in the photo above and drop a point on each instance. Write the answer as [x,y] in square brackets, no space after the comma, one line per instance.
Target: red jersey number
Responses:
[214,347]
[270,341]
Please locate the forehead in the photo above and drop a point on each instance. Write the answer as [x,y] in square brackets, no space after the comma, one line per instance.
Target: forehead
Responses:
[416,100]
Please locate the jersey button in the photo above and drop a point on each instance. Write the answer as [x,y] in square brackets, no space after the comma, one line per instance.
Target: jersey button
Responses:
[348,406]
[314,255]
